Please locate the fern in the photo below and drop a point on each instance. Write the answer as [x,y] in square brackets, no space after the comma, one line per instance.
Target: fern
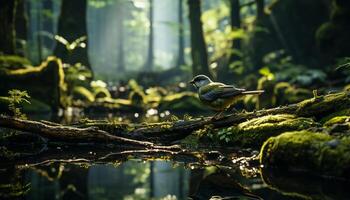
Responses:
[17,97]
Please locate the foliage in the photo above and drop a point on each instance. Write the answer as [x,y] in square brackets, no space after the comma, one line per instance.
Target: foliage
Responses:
[17,97]
[219,34]
[71,46]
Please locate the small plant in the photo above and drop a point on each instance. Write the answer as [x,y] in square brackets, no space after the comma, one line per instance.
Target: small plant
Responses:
[17,97]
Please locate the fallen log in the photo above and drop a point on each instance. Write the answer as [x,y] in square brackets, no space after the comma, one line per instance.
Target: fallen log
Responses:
[168,132]
[67,133]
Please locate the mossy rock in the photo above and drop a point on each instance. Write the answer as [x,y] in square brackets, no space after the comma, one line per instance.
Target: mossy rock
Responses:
[255,132]
[11,62]
[315,153]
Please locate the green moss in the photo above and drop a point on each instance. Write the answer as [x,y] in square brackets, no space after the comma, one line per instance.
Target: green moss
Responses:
[319,106]
[82,93]
[100,92]
[337,120]
[266,99]
[44,82]
[254,132]
[343,112]
[181,101]
[286,94]
[10,62]
[317,153]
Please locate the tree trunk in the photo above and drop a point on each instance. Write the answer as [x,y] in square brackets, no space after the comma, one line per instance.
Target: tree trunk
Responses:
[38,11]
[224,72]
[260,6]
[199,49]
[47,23]
[121,63]
[21,20]
[149,62]
[235,22]
[71,26]
[7,26]
[181,56]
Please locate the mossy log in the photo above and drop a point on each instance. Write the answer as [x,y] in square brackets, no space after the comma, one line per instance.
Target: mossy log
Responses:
[169,132]
[165,132]
[55,132]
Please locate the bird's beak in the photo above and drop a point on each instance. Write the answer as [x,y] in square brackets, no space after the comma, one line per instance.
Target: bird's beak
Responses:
[192,82]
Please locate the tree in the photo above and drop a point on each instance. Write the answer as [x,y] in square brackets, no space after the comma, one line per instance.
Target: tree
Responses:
[121,63]
[71,26]
[7,26]
[181,57]
[149,62]
[235,20]
[199,50]
[260,6]
[21,20]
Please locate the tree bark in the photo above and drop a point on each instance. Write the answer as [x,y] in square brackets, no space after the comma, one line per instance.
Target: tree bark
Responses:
[7,26]
[121,63]
[260,6]
[199,50]
[181,56]
[150,55]
[21,20]
[71,26]
[235,23]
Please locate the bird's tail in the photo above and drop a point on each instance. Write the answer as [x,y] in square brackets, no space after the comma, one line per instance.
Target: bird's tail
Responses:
[253,92]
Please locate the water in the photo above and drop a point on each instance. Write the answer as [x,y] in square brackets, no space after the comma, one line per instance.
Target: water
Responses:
[65,173]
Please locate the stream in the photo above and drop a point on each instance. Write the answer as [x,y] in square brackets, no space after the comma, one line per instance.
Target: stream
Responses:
[97,173]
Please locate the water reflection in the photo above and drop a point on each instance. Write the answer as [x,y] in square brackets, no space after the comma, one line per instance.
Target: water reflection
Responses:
[139,175]
[129,180]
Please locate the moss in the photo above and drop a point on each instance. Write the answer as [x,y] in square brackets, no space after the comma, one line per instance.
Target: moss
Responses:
[8,62]
[254,132]
[82,93]
[286,94]
[337,120]
[317,153]
[343,112]
[182,101]
[100,92]
[319,106]
[266,99]
[44,82]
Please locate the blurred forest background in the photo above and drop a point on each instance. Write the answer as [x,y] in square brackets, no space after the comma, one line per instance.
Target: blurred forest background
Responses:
[116,54]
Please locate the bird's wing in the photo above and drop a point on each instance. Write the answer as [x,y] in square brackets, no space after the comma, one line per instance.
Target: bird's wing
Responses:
[214,91]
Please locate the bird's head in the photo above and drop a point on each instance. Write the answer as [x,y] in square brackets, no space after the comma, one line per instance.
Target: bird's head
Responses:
[200,80]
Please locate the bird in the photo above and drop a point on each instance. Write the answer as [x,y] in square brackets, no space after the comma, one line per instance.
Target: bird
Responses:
[219,96]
